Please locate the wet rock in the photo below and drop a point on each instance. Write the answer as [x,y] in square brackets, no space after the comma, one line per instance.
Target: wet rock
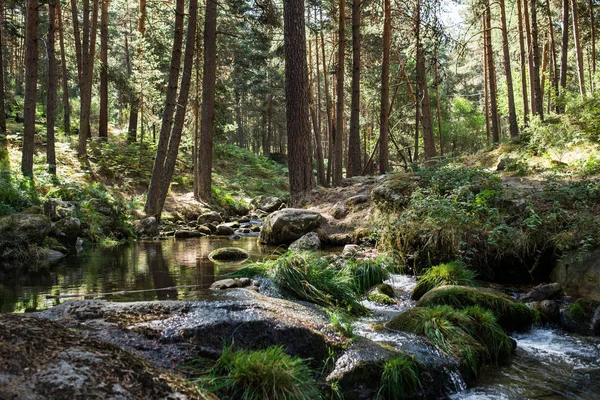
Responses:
[49,255]
[228,254]
[548,309]
[56,209]
[579,274]
[147,226]
[543,292]
[208,217]
[582,317]
[232,283]
[268,204]
[186,234]
[224,230]
[235,236]
[233,225]
[43,360]
[287,225]
[382,294]
[358,370]
[310,241]
[255,228]
[512,315]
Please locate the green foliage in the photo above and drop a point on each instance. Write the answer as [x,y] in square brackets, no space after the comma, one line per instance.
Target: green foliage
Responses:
[341,323]
[452,273]
[309,277]
[366,273]
[400,378]
[261,375]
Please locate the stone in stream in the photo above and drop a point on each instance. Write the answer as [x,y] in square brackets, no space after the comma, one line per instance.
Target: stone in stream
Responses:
[228,254]
[543,292]
[268,204]
[187,234]
[233,283]
[548,309]
[208,217]
[204,229]
[147,226]
[224,230]
[582,317]
[310,241]
[289,224]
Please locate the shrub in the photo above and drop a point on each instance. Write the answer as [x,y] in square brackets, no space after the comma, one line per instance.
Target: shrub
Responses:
[452,273]
[400,377]
[268,374]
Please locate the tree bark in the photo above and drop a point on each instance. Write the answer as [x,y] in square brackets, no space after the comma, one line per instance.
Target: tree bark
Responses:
[529,55]
[296,95]
[492,76]
[564,53]
[315,118]
[552,52]
[338,133]
[592,39]
[524,63]
[486,79]
[385,90]
[152,206]
[512,113]
[77,38]
[327,103]
[539,104]
[579,51]
[354,161]
[202,189]
[438,105]
[52,88]
[103,120]
[31,65]
[421,77]
[65,74]
[2,93]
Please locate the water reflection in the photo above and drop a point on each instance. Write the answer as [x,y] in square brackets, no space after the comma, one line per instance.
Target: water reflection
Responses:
[171,269]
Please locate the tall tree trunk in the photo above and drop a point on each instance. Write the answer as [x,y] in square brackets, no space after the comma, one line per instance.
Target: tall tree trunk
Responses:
[338,136]
[2,93]
[354,162]
[196,167]
[315,118]
[202,189]
[152,206]
[52,88]
[327,103]
[65,75]
[103,123]
[492,76]
[385,89]
[133,99]
[592,39]
[512,113]
[87,73]
[321,175]
[578,49]
[296,95]
[426,120]
[186,78]
[77,38]
[486,93]
[537,89]
[31,65]
[553,52]
[529,54]
[437,98]
[564,53]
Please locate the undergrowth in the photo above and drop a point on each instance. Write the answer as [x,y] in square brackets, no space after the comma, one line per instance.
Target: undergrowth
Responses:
[400,378]
[451,273]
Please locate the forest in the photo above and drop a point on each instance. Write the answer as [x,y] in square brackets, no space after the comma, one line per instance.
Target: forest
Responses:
[268,200]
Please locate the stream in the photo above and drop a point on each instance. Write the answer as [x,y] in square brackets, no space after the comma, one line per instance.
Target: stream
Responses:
[548,364]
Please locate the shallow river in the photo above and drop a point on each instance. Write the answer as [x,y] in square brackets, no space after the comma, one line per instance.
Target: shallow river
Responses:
[548,364]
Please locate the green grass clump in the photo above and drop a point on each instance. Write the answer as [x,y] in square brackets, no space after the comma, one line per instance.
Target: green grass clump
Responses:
[511,314]
[471,335]
[307,276]
[400,377]
[341,324]
[452,273]
[366,274]
[268,374]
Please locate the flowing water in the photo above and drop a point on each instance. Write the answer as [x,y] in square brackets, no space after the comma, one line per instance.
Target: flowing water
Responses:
[548,363]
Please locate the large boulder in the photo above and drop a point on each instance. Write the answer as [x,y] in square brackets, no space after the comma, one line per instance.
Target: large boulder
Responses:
[310,241]
[267,203]
[289,224]
[43,360]
[20,236]
[146,227]
[228,254]
[208,217]
[579,274]
[582,317]
[67,230]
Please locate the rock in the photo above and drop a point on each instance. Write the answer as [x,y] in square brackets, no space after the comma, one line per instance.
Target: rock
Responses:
[255,228]
[204,230]
[49,255]
[357,372]
[228,254]
[504,162]
[339,211]
[287,225]
[232,283]
[582,317]
[579,274]
[103,207]
[543,292]
[33,210]
[185,234]
[208,217]
[268,204]
[21,230]
[382,294]
[548,309]
[235,236]
[350,250]
[67,230]
[43,360]
[56,209]
[310,241]
[224,230]
[358,200]
[337,239]
[393,191]
[512,315]
[147,226]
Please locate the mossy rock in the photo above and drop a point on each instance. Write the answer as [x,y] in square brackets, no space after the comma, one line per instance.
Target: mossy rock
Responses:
[512,315]
[452,273]
[393,193]
[582,317]
[228,254]
[381,294]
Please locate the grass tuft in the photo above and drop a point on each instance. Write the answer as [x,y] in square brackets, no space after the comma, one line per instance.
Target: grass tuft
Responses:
[400,377]
[452,273]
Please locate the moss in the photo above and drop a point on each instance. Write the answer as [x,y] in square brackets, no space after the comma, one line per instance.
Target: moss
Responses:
[511,314]
[452,273]
[380,298]
[582,310]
